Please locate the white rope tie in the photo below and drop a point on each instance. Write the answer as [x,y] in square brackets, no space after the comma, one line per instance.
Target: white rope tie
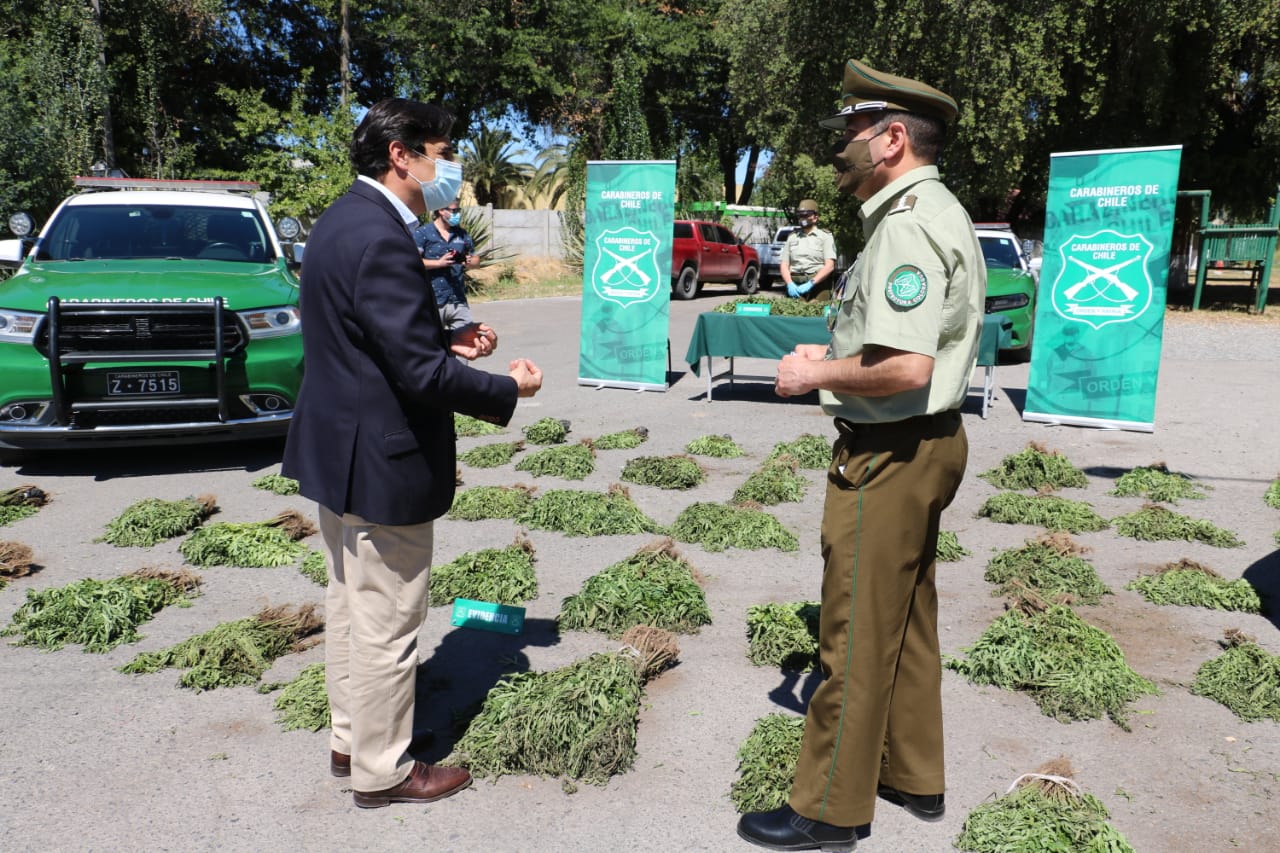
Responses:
[1063,781]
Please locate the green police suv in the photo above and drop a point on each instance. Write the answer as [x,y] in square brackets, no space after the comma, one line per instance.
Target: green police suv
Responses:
[1012,277]
[148,312]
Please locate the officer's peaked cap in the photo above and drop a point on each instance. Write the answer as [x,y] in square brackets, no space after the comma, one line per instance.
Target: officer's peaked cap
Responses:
[866,90]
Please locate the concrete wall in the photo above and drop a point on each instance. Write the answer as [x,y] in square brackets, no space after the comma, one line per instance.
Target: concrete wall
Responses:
[531,233]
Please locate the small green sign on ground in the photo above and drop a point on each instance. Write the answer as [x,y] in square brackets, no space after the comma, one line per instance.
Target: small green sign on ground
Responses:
[488,616]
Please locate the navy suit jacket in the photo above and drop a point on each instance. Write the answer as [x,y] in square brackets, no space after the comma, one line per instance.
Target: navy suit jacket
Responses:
[372,432]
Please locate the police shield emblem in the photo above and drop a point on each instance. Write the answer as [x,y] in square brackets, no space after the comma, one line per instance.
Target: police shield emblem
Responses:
[1103,278]
[626,268]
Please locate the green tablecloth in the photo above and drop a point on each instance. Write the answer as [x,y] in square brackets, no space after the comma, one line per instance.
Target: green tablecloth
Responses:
[751,336]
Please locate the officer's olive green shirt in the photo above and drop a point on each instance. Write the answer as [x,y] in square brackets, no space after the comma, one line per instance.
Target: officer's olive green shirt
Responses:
[919,286]
[806,253]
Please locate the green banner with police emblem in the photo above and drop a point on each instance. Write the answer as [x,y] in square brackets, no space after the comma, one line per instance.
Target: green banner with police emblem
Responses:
[626,274]
[1100,306]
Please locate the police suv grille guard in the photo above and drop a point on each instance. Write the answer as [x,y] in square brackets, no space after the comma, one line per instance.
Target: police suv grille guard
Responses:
[78,334]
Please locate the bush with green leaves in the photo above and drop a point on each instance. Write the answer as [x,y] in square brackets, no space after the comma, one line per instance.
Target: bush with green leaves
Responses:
[1157,483]
[1051,565]
[582,513]
[232,653]
[809,451]
[1071,669]
[772,483]
[655,586]
[1048,511]
[502,575]
[718,526]
[767,763]
[1036,467]
[151,520]
[1191,584]
[784,634]
[99,614]
[491,502]
[1244,678]
[568,461]
[717,446]
[1156,523]
[665,472]
[491,455]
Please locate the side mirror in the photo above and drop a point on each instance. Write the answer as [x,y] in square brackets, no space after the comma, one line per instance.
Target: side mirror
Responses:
[12,252]
[293,253]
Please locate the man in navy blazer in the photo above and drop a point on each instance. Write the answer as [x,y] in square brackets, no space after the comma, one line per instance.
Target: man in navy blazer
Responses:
[372,439]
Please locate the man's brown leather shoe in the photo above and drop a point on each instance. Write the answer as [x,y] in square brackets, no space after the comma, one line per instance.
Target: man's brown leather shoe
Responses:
[339,764]
[425,783]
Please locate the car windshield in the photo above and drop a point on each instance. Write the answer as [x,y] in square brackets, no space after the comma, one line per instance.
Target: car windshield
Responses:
[125,231]
[999,252]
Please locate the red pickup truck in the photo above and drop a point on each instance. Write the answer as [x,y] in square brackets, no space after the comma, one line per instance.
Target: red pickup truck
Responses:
[708,252]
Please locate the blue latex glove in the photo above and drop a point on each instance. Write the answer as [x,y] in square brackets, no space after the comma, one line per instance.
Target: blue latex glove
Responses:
[792,290]
[805,288]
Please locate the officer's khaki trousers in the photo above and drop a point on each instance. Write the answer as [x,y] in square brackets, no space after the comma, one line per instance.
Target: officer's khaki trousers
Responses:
[878,715]
[374,607]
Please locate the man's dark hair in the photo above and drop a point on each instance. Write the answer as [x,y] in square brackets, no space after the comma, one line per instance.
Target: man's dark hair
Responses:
[928,135]
[391,120]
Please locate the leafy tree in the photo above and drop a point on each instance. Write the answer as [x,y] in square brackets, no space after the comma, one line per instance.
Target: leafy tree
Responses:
[494,165]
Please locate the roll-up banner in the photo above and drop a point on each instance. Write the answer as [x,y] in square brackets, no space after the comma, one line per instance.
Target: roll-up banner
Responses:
[626,274]
[1100,312]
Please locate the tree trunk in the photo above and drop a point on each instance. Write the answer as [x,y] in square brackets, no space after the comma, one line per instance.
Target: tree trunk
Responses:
[344,41]
[108,131]
[749,182]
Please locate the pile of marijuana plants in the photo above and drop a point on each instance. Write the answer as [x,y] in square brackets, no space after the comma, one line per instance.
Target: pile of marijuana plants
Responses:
[250,544]
[579,513]
[152,520]
[568,461]
[304,703]
[1154,523]
[20,502]
[276,484]
[627,439]
[767,763]
[1191,584]
[465,426]
[501,575]
[1036,467]
[491,502]
[654,586]
[772,483]
[491,455]
[717,446]
[783,634]
[665,472]
[1048,511]
[1156,482]
[547,431]
[1244,678]
[1052,566]
[717,527]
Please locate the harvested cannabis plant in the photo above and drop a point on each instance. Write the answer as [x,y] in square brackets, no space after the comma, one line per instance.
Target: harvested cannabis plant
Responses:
[99,614]
[20,502]
[1191,584]
[491,502]
[1071,669]
[784,635]
[717,446]
[627,439]
[465,426]
[276,484]
[809,451]
[576,722]
[1052,566]
[1244,678]
[1154,522]
[491,455]
[717,527]
[1157,483]
[313,567]
[665,472]
[152,520]
[578,513]
[767,763]
[772,483]
[655,586]
[569,461]
[949,548]
[1272,497]
[547,431]
[1049,511]
[303,704]
[777,307]
[1036,467]
[250,544]
[502,575]
[1043,811]
[233,653]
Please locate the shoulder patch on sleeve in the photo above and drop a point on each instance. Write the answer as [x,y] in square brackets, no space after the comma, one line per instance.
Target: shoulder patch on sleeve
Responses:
[907,202]
[906,287]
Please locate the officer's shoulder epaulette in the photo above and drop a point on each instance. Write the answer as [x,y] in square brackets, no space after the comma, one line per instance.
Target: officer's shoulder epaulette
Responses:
[906,203]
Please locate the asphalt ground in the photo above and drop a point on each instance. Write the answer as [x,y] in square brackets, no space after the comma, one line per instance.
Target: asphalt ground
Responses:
[91,759]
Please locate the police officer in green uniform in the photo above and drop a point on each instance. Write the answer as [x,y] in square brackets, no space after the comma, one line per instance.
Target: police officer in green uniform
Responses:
[809,255]
[906,323]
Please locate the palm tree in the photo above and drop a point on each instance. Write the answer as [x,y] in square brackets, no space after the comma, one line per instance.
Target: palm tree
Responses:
[548,181]
[492,163]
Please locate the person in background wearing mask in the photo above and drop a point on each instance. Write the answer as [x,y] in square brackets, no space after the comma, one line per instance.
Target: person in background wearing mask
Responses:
[447,251]
[372,439]
[809,256]
[905,324]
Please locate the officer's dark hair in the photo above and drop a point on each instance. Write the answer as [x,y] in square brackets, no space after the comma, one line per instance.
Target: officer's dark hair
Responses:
[391,120]
[928,135]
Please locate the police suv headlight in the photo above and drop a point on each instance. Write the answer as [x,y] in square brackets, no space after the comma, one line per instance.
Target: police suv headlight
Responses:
[18,327]
[1007,303]
[272,322]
